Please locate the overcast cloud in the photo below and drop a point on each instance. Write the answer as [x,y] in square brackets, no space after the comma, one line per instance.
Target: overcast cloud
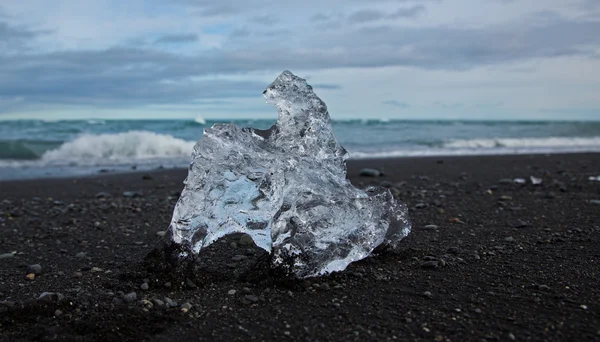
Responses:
[385,58]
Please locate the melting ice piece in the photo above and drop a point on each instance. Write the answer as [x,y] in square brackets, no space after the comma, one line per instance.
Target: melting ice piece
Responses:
[286,187]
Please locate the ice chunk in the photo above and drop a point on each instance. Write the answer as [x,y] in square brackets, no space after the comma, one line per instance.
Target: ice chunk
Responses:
[286,187]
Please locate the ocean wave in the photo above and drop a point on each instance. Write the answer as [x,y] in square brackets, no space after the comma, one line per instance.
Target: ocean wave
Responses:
[200,120]
[128,147]
[549,142]
[25,149]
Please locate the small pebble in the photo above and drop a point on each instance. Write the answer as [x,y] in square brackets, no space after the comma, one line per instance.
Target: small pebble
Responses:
[429,264]
[161,233]
[420,205]
[144,286]
[509,239]
[35,269]
[370,172]
[58,313]
[246,240]
[427,294]
[130,297]
[51,297]
[544,287]
[190,284]
[96,270]
[30,276]
[81,255]
[233,245]
[186,307]
[77,275]
[249,299]
[239,257]
[231,292]
[430,227]
[159,303]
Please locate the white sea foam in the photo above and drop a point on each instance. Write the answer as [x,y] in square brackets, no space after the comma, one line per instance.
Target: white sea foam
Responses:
[128,147]
[522,143]
[199,119]
[491,147]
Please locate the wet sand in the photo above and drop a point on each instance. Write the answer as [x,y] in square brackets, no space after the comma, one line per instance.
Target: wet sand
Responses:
[487,259]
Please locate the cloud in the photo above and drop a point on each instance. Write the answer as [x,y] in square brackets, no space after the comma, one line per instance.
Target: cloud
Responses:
[177,38]
[9,33]
[369,15]
[326,86]
[14,39]
[364,16]
[266,20]
[409,12]
[397,104]
[114,77]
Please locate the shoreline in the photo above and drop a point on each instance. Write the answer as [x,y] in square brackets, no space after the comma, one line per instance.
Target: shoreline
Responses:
[351,164]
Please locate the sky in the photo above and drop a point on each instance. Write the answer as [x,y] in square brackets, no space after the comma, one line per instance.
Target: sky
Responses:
[395,59]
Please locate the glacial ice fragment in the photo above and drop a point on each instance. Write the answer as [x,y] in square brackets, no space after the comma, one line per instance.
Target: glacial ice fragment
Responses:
[286,187]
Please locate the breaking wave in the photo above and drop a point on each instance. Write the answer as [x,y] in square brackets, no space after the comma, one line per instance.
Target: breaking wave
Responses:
[499,146]
[119,147]
[550,142]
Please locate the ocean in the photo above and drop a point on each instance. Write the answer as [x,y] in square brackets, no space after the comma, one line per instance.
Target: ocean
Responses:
[33,149]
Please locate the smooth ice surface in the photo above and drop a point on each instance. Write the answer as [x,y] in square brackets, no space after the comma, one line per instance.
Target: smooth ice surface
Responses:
[286,187]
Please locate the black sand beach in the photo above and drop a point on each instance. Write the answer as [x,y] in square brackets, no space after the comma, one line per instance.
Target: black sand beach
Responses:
[487,260]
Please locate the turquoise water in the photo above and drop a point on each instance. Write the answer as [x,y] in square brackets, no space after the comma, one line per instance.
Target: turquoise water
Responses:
[48,148]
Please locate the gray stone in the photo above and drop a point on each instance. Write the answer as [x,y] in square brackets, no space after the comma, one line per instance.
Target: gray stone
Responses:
[50,297]
[367,172]
[103,195]
[231,292]
[246,240]
[144,286]
[81,255]
[132,194]
[249,299]
[190,284]
[35,269]
[130,297]
[430,227]
[171,303]
[239,257]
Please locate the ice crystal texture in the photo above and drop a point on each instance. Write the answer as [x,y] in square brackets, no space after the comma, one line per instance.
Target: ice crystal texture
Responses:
[286,187]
